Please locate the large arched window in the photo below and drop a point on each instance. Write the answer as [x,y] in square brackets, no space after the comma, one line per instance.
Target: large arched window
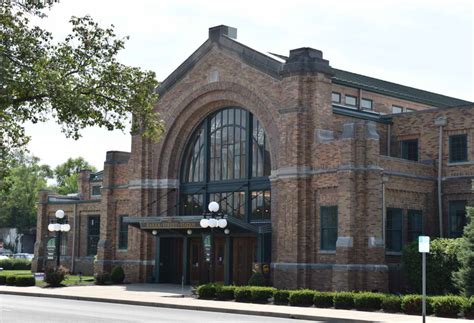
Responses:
[227,160]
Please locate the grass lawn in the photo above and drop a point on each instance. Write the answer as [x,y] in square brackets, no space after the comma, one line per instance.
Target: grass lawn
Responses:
[71,280]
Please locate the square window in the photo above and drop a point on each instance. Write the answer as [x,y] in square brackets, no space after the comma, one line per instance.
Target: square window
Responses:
[351,100]
[397,109]
[458,148]
[328,227]
[366,104]
[336,97]
[409,149]
[95,190]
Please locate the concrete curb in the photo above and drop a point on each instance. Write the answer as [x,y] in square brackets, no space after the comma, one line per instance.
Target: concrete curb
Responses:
[189,307]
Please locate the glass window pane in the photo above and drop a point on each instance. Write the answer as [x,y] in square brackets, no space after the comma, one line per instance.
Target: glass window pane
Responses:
[366,104]
[397,109]
[394,230]
[328,216]
[458,148]
[336,97]
[351,100]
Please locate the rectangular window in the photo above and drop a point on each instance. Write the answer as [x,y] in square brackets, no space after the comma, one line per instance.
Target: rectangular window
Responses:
[328,227]
[366,104]
[409,149]
[336,97]
[397,109]
[260,201]
[458,148]
[93,234]
[457,218]
[410,110]
[394,230]
[192,204]
[415,225]
[351,100]
[123,234]
[95,190]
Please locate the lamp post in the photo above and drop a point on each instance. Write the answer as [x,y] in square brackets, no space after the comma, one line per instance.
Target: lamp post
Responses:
[59,227]
[212,220]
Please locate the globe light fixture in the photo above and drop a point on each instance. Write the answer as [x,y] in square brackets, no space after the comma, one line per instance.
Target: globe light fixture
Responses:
[222,223]
[213,206]
[59,214]
[204,223]
[154,232]
[59,227]
[226,231]
[189,232]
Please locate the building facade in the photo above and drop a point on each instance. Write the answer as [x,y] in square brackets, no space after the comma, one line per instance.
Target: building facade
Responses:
[322,174]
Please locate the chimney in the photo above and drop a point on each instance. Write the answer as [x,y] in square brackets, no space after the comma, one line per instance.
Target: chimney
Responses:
[222,30]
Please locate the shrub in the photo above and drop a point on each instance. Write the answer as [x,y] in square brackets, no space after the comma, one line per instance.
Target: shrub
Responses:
[303,297]
[261,294]
[207,291]
[323,299]
[6,264]
[10,280]
[468,308]
[447,306]
[101,278]
[392,304]
[25,280]
[3,279]
[257,279]
[118,275]
[21,264]
[411,304]
[54,277]
[344,300]
[243,294]
[368,301]
[441,262]
[225,293]
[280,297]
[464,277]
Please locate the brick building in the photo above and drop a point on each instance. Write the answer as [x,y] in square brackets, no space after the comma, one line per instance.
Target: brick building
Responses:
[322,174]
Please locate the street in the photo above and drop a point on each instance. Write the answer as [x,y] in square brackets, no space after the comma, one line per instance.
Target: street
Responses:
[38,309]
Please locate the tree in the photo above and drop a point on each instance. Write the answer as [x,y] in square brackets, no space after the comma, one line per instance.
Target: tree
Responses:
[66,174]
[19,195]
[464,277]
[78,82]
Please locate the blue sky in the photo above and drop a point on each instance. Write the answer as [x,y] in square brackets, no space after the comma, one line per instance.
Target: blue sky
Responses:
[426,44]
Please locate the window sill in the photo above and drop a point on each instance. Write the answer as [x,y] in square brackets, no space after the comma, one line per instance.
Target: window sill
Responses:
[460,163]
[327,252]
[122,250]
[393,253]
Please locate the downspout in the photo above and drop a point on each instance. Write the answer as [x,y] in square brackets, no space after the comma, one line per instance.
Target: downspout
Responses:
[440,121]
[389,141]
[384,209]
[74,215]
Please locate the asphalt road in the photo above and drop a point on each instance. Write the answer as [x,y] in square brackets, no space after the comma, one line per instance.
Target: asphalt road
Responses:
[26,309]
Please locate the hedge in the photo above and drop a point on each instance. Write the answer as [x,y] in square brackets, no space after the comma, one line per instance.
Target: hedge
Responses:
[261,294]
[25,280]
[367,301]
[469,308]
[344,300]
[243,294]
[324,299]
[10,280]
[117,276]
[447,306]
[15,264]
[225,293]
[392,304]
[281,297]
[303,297]
[3,279]
[207,291]
[411,304]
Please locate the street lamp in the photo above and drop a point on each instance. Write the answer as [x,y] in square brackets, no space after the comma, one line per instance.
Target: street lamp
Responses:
[212,220]
[59,227]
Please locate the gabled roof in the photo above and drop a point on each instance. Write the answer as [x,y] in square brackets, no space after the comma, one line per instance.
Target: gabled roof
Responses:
[275,68]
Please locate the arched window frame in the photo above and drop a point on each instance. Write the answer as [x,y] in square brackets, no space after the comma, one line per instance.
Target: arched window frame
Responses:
[248,190]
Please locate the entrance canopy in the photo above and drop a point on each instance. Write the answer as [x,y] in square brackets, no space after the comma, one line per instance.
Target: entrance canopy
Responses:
[175,223]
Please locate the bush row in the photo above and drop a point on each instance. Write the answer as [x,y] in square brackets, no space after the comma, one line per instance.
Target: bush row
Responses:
[15,264]
[18,280]
[442,306]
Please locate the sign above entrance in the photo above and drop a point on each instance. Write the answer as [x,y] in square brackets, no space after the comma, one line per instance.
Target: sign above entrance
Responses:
[170,224]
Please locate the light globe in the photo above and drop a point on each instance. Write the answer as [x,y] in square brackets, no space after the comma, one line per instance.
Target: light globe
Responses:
[212,223]
[213,206]
[204,223]
[65,227]
[51,227]
[59,214]
[222,223]
[56,227]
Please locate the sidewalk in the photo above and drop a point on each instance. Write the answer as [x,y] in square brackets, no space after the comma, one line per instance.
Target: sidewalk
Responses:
[171,296]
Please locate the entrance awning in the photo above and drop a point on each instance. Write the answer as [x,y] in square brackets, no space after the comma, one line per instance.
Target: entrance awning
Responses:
[190,222]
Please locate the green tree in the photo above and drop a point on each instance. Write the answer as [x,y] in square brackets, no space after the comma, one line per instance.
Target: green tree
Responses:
[464,277]
[19,195]
[77,82]
[66,174]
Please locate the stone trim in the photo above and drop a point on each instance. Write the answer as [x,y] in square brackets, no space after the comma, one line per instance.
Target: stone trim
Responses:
[344,242]
[293,110]
[324,136]
[153,183]
[127,262]
[338,267]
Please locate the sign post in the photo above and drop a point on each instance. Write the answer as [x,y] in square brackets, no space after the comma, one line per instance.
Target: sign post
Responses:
[424,248]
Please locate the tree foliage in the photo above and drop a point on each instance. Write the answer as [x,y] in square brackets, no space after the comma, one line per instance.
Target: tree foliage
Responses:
[464,277]
[77,82]
[19,194]
[67,172]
